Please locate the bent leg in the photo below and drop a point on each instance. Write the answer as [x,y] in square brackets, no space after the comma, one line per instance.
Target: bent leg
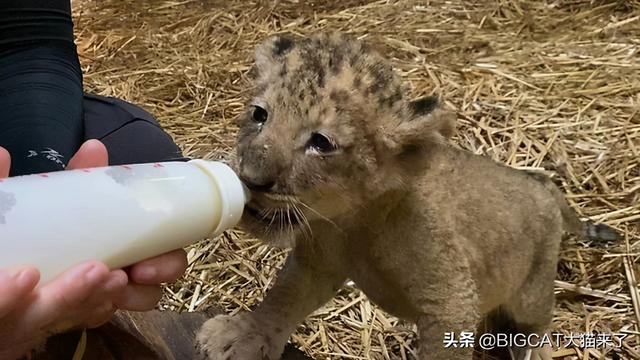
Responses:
[262,335]
[40,85]
[130,133]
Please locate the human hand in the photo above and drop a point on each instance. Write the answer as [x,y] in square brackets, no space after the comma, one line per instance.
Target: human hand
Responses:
[82,296]
[143,290]
[85,296]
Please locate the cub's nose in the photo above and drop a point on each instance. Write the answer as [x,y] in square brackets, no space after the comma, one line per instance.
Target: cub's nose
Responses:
[258,184]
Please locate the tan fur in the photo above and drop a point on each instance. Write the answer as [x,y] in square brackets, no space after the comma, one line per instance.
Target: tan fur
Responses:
[431,233]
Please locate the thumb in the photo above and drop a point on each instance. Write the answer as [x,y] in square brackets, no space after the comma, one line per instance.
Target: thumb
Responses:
[5,163]
[92,153]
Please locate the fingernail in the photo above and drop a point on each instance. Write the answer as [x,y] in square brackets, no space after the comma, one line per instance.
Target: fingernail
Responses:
[26,276]
[115,282]
[95,273]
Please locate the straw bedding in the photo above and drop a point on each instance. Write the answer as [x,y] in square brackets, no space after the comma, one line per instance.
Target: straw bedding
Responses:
[551,85]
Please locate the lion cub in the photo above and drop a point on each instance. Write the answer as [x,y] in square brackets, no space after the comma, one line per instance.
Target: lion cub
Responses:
[361,183]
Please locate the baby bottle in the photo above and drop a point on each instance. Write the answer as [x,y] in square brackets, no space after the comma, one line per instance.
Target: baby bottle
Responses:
[117,214]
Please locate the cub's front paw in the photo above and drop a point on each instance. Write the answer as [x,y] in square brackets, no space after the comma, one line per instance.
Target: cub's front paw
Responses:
[236,338]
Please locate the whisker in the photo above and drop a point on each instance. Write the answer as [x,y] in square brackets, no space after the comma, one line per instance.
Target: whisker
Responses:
[306,221]
[320,215]
[290,225]
[296,215]
[265,214]
[302,219]
[280,219]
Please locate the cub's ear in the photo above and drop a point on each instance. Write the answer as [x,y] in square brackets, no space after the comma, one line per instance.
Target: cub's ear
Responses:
[272,51]
[427,124]
[423,106]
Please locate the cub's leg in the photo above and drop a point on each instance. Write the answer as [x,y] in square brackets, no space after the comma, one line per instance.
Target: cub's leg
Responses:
[302,287]
[531,310]
[452,307]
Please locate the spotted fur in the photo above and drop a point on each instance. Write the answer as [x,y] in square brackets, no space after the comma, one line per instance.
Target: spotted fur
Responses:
[360,181]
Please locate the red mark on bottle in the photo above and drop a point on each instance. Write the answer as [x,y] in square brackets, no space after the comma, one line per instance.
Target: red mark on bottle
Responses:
[44,175]
[157,165]
[126,167]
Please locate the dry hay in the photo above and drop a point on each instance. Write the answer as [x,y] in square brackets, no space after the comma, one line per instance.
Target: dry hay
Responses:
[536,84]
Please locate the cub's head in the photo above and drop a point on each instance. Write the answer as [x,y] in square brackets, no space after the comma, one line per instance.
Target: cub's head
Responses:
[329,130]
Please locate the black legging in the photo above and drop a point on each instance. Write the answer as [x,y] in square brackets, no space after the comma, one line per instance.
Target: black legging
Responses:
[40,85]
[43,116]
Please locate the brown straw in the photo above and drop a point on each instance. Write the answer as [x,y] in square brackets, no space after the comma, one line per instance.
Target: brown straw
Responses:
[552,85]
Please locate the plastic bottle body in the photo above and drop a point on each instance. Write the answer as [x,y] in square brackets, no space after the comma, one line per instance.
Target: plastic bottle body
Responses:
[119,215]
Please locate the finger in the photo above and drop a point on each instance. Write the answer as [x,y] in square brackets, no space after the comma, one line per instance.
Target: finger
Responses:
[115,283]
[92,153]
[136,297]
[14,287]
[96,309]
[101,315]
[65,294]
[94,316]
[5,163]
[167,267]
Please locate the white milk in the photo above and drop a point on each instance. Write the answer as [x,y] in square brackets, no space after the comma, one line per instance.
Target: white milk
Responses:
[118,214]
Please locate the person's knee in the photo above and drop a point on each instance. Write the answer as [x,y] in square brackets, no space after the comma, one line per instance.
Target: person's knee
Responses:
[140,142]
[130,133]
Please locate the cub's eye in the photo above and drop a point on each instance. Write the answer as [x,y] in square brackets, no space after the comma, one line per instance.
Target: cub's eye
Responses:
[321,143]
[260,115]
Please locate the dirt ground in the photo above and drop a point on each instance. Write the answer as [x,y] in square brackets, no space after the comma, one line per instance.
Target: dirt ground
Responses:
[551,85]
